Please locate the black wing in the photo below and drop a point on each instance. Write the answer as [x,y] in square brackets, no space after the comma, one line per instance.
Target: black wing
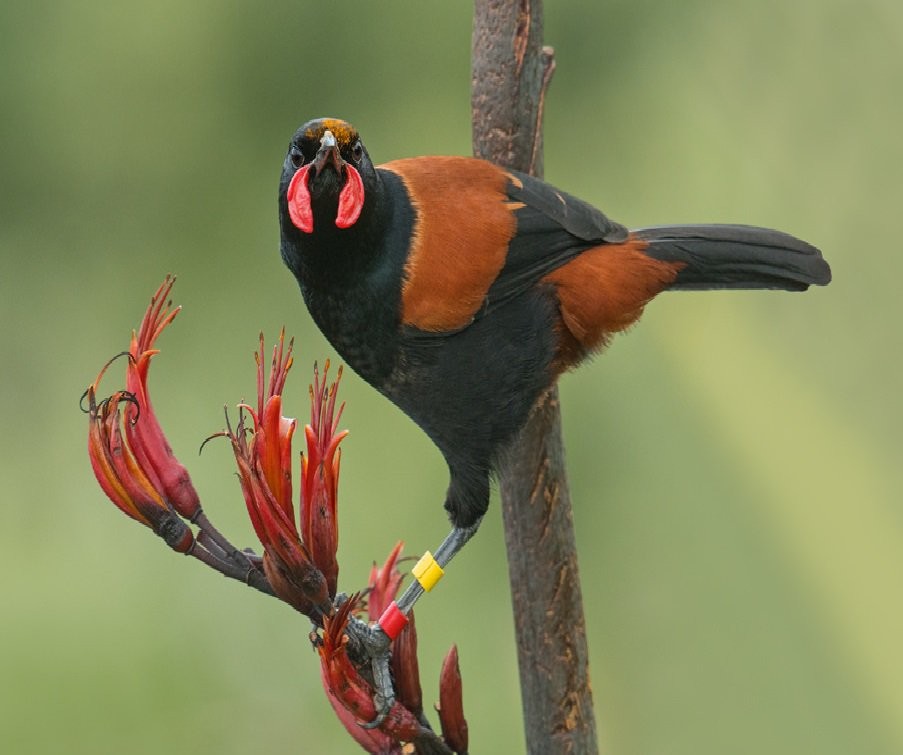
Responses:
[553,227]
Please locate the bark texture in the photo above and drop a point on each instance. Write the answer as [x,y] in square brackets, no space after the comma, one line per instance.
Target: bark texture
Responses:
[510,74]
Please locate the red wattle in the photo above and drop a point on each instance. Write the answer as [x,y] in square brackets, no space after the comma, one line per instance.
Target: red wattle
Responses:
[298,197]
[351,199]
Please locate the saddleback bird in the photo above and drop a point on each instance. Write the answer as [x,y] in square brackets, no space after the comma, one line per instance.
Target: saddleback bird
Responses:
[461,291]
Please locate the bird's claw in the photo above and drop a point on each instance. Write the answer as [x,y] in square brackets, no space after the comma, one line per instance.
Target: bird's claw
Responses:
[373,645]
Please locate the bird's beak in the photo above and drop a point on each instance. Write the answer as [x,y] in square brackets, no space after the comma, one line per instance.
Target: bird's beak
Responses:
[328,154]
[351,195]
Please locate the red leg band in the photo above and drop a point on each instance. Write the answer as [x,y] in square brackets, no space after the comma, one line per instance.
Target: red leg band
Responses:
[392,621]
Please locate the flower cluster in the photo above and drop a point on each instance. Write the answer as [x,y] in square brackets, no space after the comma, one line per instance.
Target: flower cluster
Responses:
[134,463]
[135,466]
[351,695]
[300,561]
[300,565]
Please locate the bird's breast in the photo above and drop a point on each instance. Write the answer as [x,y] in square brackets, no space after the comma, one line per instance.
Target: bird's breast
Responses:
[361,326]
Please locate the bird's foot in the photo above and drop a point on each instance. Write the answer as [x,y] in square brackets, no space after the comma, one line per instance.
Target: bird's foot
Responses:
[371,644]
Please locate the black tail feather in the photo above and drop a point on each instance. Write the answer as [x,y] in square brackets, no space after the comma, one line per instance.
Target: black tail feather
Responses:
[736,256]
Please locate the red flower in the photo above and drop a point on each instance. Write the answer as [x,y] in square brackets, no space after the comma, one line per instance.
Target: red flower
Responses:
[121,476]
[263,455]
[273,432]
[135,466]
[320,476]
[143,430]
[383,585]
[383,588]
[131,459]
[352,696]
[451,704]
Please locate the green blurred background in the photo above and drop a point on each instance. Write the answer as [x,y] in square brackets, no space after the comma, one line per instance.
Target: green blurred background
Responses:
[735,460]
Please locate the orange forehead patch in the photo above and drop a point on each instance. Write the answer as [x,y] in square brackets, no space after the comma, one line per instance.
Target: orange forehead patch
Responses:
[345,134]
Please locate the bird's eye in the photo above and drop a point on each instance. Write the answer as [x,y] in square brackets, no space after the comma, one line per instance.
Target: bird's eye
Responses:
[297,156]
[357,152]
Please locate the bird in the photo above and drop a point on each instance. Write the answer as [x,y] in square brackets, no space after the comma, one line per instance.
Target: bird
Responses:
[462,291]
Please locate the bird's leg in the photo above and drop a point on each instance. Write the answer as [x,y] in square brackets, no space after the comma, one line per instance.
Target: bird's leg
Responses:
[373,641]
[426,573]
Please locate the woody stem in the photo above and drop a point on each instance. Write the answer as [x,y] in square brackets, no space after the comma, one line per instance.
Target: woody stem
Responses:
[215,550]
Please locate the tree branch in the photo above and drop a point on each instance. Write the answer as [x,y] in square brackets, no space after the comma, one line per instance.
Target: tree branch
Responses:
[510,74]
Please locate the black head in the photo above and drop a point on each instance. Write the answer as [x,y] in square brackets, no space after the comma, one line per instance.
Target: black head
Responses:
[327,179]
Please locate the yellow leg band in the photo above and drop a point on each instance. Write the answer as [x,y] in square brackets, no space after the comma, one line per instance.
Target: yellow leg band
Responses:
[427,572]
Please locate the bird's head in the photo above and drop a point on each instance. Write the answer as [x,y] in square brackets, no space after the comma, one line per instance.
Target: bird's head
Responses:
[325,176]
